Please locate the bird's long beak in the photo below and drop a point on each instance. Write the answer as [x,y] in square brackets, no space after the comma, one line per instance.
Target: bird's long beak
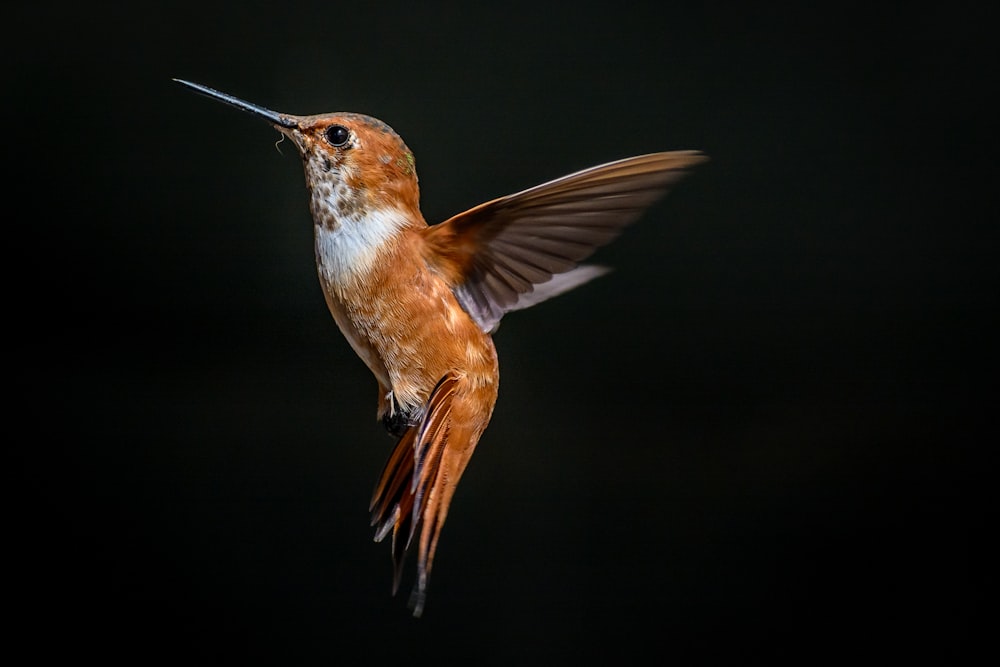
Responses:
[273,117]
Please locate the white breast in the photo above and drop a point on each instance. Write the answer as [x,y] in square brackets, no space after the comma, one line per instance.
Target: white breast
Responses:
[347,249]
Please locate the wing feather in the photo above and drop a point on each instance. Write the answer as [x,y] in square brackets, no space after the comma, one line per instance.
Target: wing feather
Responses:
[498,253]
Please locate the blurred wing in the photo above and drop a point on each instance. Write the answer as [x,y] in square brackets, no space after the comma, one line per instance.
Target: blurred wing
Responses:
[520,249]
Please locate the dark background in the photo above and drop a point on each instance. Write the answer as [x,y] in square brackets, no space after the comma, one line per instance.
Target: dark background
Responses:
[759,438]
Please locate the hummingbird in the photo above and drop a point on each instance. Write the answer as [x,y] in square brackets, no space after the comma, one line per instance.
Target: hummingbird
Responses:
[419,303]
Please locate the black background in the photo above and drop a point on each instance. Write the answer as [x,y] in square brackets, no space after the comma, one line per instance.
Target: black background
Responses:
[759,438]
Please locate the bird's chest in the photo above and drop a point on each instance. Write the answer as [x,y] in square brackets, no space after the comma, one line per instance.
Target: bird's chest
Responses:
[400,318]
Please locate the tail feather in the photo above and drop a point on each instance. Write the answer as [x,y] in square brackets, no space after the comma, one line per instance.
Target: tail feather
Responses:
[388,494]
[415,488]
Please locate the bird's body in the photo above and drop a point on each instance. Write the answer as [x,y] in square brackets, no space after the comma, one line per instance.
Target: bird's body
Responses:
[419,303]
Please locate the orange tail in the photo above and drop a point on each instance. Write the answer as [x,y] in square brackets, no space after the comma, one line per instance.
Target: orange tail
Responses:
[418,482]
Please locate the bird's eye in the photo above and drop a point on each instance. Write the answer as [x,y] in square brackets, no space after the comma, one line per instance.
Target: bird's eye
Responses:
[337,135]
